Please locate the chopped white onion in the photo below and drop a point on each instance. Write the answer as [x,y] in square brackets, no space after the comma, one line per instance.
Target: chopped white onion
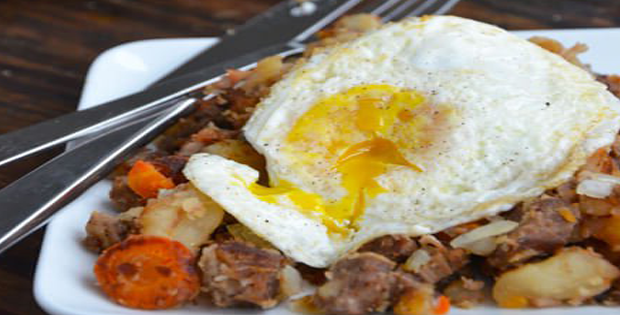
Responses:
[597,185]
[594,188]
[290,281]
[418,259]
[489,230]
[482,247]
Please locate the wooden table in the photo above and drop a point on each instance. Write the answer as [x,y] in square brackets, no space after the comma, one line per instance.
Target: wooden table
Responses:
[47,46]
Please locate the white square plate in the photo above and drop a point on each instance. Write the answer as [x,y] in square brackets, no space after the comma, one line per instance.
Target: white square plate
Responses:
[64,281]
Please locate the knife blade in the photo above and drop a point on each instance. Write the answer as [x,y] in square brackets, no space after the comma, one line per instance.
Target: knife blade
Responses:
[35,138]
[289,21]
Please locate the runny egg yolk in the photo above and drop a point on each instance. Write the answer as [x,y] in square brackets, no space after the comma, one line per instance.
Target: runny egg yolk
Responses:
[350,138]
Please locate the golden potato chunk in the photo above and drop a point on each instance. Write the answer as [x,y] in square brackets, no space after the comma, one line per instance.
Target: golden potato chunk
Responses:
[238,151]
[609,231]
[570,276]
[184,214]
[243,234]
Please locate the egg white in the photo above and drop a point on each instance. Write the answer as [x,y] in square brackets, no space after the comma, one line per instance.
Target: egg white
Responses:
[524,120]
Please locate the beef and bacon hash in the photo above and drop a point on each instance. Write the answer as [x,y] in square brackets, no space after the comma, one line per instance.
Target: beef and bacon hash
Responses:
[170,244]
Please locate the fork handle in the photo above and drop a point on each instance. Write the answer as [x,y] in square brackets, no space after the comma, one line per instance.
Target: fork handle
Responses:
[29,202]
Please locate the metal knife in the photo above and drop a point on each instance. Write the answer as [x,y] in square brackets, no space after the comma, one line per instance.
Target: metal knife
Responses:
[38,137]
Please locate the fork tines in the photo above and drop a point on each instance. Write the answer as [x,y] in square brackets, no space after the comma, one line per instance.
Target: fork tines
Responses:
[392,10]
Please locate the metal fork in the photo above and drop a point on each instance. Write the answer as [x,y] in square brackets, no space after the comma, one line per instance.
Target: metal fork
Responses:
[392,10]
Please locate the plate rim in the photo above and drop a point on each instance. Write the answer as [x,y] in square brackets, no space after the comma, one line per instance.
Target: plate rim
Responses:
[54,308]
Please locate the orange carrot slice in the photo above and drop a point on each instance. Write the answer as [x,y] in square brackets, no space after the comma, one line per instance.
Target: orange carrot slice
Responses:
[145,180]
[442,305]
[148,272]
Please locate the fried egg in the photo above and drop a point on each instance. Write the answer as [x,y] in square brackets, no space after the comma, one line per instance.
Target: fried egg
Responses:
[410,129]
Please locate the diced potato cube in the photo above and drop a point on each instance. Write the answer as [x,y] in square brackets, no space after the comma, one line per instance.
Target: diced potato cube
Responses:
[416,302]
[184,214]
[571,275]
[609,231]
[238,151]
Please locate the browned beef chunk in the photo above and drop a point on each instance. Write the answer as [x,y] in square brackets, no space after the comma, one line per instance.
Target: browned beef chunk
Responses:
[315,276]
[442,264]
[104,230]
[207,112]
[612,296]
[465,292]
[545,225]
[172,166]
[395,247]
[236,273]
[240,107]
[361,283]
[204,137]
[122,196]
[145,154]
[567,191]
[443,261]
[613,83]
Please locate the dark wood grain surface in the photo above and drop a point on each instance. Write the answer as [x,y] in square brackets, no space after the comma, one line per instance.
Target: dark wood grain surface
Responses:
[46,47]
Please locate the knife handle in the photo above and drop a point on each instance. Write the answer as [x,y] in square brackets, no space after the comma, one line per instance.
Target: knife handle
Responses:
[29,202]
